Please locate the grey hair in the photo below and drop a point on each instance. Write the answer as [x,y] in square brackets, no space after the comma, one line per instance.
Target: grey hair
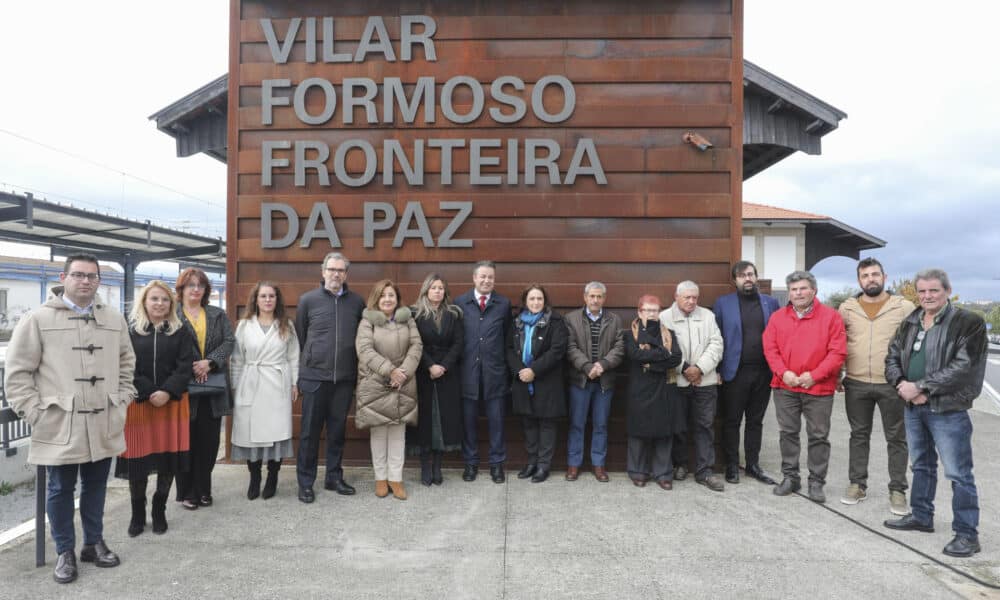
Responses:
[686,285]
[338,256]
[933,273]
[800,276]
[595,285]
[484,263]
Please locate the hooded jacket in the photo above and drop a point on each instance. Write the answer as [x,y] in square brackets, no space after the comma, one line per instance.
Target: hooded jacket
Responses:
[868,339]
[383,345]
[69,376]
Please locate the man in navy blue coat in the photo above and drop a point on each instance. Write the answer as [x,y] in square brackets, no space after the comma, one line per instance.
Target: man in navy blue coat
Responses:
[484,371]
[746,388]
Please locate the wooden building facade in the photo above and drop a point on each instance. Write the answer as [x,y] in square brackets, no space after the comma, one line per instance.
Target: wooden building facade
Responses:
[628,201]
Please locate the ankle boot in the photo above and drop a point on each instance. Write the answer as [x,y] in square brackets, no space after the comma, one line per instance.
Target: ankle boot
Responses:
[426,476]
[381,488]
[398,491]
[138,522]
[159,512]
[436,476]
[254,489]
[271,485]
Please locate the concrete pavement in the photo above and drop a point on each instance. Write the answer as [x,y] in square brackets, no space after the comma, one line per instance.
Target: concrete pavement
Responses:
[551,540]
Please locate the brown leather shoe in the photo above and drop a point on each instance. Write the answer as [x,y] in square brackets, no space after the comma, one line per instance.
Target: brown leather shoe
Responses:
[381,488]
[639,482]
[601,474]
[398,491]
[572,473]
[665,485]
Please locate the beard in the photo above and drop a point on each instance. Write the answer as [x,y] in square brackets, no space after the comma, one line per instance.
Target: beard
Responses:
[748,290]
[874,290]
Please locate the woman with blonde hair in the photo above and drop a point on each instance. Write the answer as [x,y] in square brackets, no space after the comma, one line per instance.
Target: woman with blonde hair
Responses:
[439,381]
[157,423]
[389,349]
[263,368]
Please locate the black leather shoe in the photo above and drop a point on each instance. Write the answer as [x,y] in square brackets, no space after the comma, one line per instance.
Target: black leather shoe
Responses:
[470,472]
[528,471]
[306,495]
[962,546]
[909,523]
[540,475]
[680,473]
[65,567]
[733,473]
[787,486]
[496,474]
[757,473]
[99,555]
[341,487]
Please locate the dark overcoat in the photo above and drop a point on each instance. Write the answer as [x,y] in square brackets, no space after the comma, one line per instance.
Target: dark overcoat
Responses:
[548,352]
[654,401]
[441,347]
[484,356]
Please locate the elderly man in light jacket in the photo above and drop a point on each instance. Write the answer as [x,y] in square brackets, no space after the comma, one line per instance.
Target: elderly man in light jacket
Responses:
[701,343]
[69,375]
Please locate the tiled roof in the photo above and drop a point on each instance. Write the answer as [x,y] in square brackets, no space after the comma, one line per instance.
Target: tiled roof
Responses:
[763,211]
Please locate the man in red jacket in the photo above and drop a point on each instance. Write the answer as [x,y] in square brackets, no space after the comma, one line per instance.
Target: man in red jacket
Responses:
[805,344]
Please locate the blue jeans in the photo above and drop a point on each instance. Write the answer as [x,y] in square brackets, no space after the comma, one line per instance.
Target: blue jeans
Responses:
[948,435]
[59,503]
[581,402]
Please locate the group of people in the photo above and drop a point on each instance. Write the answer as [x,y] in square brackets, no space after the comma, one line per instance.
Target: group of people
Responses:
[152,390]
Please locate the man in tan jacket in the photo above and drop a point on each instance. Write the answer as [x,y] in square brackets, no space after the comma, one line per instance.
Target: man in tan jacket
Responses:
[701,343]
[871,320]
[69,375]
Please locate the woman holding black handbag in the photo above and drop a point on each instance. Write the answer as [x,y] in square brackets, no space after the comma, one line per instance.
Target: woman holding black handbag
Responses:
[209,388]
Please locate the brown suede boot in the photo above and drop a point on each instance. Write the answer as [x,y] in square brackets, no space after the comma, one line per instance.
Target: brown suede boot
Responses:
[381,488]
[398,491]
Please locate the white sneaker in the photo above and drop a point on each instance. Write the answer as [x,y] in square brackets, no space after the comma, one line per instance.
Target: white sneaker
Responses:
[854,494]
[897,503]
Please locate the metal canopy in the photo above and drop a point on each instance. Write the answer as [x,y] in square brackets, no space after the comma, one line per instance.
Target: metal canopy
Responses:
[66,230]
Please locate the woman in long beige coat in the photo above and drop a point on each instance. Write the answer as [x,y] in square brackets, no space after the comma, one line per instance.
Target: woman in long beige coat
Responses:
[389,349]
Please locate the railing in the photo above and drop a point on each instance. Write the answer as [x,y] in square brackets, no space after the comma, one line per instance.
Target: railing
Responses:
[12,429]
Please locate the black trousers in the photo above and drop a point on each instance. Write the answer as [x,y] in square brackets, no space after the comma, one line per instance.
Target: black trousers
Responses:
[137,486]
[324,403]
[540,441]
[649,458]
[205,431]
[701,405]
[747,395]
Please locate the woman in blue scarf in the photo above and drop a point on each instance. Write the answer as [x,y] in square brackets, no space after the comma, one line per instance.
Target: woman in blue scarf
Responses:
[535,354]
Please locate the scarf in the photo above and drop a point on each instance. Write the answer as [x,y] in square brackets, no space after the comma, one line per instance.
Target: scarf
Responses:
[530,321]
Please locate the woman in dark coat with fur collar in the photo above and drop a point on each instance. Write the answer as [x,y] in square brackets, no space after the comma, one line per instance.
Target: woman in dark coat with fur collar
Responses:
[535,354]
[654,402]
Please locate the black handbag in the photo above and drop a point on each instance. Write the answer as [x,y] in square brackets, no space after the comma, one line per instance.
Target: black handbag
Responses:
[215,384]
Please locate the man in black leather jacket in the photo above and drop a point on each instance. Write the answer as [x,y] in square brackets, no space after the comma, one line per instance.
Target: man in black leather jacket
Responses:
[937,361]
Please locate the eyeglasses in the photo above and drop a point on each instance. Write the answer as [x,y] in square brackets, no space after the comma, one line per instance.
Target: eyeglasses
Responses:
[649,311]
[335,270]
[920,341]
[77,275]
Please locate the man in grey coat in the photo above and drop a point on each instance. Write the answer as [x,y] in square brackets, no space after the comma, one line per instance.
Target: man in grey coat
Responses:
[595,350]
[69,375]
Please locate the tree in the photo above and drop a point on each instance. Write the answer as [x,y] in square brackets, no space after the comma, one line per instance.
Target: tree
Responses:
[835,299]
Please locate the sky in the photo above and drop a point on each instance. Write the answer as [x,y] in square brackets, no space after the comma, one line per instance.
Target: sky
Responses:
[913,164]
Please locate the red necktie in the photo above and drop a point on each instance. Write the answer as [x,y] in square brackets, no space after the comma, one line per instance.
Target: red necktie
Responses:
[482,303]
